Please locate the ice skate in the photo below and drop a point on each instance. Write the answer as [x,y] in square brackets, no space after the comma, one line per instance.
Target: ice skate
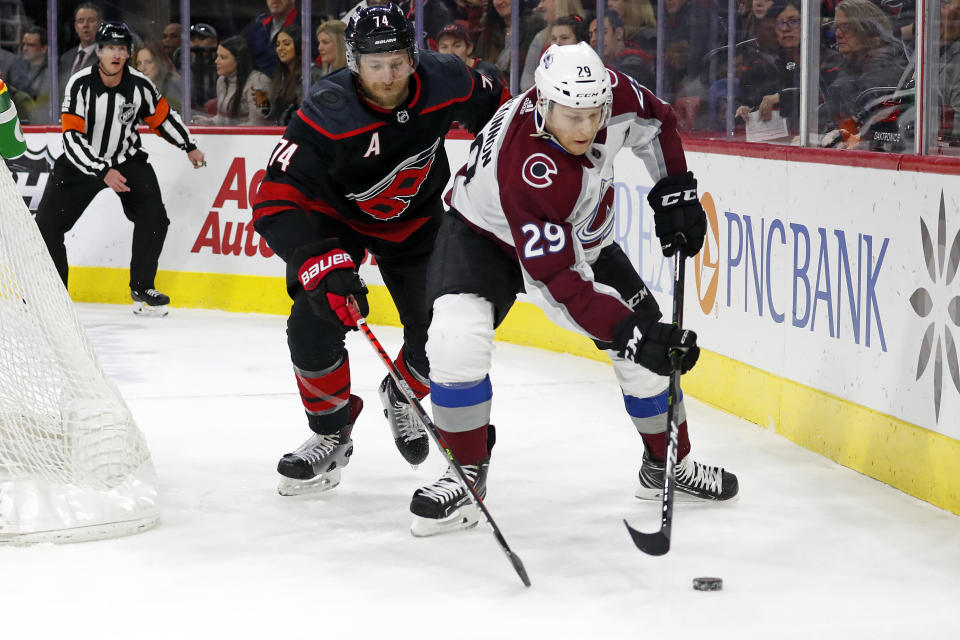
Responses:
[696,482]
[445,506]
[149,302]
[315,467]
[409,433]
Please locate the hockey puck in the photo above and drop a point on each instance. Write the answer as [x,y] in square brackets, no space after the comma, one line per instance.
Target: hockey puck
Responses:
[708,584]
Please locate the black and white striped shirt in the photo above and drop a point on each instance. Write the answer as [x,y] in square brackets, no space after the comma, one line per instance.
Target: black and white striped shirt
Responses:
[99,123]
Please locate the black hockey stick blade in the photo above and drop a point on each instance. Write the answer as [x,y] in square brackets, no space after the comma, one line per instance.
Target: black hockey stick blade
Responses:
[520,569]
[654,544]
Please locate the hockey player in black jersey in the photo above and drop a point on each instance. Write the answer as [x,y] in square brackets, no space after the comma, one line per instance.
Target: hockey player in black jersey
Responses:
[361,167]
[102,106]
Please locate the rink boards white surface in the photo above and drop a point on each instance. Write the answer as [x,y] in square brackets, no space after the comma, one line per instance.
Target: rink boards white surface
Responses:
[810,550]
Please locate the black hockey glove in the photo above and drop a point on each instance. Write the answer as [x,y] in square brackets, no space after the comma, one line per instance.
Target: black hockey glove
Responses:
[677,210]
[650,346]
[328,275]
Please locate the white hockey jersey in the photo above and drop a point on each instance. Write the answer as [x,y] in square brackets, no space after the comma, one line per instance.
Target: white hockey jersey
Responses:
[554,210]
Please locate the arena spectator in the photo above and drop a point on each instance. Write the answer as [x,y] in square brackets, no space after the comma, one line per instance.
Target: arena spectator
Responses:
[151,60]
[692,29]
[243,93]
[872,61]
[569,30]
[623,56]
[286,87]
[33,50]
[493,43]
[203,68]
[639,22]
[86,20]
[453,38]
[949,71]
[331,48]
[170,39]
[260,33]
[548,10]
[763,80]
[436,14]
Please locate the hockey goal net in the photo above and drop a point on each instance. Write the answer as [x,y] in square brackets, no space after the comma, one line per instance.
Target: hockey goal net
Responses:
[73,464]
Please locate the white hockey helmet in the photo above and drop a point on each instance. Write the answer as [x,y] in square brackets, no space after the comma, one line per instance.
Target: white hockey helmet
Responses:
[572,75]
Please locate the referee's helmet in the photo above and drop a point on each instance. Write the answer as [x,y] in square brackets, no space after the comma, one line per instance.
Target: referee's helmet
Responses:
[114,33]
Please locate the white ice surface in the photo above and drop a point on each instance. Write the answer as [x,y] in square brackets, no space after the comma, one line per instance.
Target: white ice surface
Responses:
[810,550]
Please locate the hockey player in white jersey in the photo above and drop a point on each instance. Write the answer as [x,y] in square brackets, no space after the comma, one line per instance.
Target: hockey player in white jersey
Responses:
[531,212]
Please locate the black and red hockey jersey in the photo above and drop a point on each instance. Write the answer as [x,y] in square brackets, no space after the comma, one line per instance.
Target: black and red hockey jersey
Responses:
[379,172]
[553,210]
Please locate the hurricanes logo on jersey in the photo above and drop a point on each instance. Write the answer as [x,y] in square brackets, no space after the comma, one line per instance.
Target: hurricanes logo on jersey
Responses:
[390,197]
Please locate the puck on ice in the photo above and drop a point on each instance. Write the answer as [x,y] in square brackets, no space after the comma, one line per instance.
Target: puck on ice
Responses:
[708,584]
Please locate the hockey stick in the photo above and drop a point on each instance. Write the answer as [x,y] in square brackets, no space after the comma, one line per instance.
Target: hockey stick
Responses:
[437,437]
[658,543]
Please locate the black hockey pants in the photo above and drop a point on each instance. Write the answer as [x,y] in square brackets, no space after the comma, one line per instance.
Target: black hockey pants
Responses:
[69,192]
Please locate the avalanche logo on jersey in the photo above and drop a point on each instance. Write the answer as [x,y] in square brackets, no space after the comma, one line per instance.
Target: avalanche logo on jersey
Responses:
[390,197]
[599,224]
[538,169]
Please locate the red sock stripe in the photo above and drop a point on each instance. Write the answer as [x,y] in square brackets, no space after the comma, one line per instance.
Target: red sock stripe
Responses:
[657,443]
[468,447]
[325,393]
[420,389]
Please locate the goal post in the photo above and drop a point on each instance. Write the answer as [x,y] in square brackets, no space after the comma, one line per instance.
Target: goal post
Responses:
[73,464]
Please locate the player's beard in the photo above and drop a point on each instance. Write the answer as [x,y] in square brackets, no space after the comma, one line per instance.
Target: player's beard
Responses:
[387,98]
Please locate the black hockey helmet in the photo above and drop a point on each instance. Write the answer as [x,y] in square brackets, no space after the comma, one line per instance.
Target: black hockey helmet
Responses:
[379,29]
[114,33]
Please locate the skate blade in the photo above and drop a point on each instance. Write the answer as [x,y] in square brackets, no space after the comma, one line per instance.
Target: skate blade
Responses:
[466,517]
[317,484]
[143,309]
[656,493]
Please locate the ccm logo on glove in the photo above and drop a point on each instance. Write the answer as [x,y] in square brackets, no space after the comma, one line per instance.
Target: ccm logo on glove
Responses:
[315,269]
[670,199]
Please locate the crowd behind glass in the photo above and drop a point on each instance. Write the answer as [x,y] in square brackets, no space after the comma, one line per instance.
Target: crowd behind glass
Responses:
[732,69]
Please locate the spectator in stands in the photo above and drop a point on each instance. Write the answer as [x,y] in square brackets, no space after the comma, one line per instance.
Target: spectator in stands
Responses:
[495,37]
[331,48]
[453,38]
[203,66]
[33,50]
[569,30]
[170,39]
[872,62]
[471,13]
[262,31]
[151,60]
[692,29]
[623,56]
[436,14]
[949,71]
[763,83]
[548,10]
[243,93]
[639,22]
[286,88]
[86,20]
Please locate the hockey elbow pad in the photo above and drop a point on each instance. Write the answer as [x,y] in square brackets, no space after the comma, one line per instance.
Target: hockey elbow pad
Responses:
[678,216]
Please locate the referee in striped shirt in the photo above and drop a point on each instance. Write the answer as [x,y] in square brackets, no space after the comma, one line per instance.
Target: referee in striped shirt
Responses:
[102,106]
